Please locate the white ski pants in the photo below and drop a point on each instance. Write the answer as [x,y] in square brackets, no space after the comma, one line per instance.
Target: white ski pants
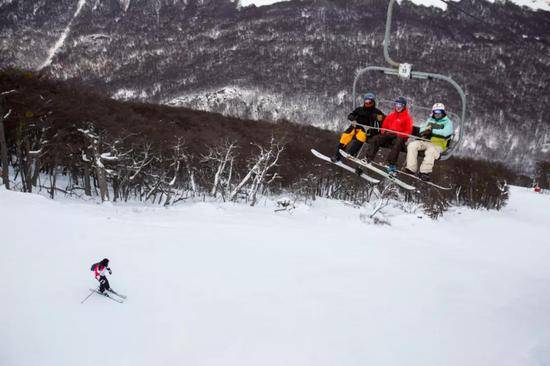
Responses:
[431,153]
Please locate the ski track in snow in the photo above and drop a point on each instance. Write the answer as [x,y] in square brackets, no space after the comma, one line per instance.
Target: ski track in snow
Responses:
[61,40]
[227,284]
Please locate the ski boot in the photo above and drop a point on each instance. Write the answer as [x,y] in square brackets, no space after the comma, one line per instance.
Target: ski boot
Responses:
[337,156]
[358,171]
[408,171]
[426,177]
[391,170]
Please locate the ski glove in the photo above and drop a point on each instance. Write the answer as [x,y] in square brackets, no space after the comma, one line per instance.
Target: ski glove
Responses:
[436,126]
[110,272]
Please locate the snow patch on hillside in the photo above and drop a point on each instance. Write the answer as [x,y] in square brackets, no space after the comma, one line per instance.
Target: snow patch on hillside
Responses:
[257,105]
[61,40]
[124,4]
[129,94]
[5,2]
[533,4]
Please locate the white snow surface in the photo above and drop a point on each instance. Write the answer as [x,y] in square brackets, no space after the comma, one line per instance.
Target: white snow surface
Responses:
[227,284]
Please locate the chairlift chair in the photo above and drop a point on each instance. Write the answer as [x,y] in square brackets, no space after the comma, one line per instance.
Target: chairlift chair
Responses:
[404,70]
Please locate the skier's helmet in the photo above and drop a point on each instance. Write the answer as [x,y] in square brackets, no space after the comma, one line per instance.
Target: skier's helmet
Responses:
[369,99]
[104,262]
[400,103]
[369,96]
[438,110]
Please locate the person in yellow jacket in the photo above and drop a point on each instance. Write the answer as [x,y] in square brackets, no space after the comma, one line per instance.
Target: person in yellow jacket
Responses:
[438,128]
[353,138]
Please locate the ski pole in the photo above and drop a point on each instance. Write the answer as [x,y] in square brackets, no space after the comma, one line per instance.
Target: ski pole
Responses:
[87,297]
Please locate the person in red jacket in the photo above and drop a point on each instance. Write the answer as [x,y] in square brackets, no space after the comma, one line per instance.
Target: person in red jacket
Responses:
[396,128]
[100,273]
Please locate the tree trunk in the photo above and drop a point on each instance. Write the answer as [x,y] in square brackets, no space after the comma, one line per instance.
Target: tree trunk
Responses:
[4,151]
[4,146]
[102,183]
[100,174]
[87,184]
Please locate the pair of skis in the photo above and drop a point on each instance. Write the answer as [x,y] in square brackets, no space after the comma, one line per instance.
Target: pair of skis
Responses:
[345,167]
[120,299]
[430,183]
[391,177]
[366,165]
[372,167]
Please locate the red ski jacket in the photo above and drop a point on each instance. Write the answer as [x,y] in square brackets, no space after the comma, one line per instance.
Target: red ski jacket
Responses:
[400,122]
[100,271]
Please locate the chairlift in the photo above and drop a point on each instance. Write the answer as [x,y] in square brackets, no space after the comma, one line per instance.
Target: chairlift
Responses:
[404,71]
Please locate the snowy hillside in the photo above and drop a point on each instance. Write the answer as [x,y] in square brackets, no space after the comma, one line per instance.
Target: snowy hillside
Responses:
[228,284]
[296,60]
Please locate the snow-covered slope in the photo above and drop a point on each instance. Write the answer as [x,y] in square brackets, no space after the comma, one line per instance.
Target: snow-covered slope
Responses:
[212,284]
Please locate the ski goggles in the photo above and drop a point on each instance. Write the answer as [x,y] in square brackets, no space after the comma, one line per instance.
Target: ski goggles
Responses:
[399,105]
[438,111]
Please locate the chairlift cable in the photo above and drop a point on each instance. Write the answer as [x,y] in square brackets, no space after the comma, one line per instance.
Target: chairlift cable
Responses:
[450,3]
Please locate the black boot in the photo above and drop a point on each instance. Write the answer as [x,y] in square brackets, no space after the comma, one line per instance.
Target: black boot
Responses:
[354,147]
[337,157]
[425,176]
[358,171]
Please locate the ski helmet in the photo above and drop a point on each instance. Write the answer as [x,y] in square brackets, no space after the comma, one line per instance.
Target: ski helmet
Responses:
[369,96]
[401,100]
[438,108]
[104,262]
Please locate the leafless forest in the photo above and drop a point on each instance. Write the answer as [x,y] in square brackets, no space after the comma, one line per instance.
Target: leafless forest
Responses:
[121,151]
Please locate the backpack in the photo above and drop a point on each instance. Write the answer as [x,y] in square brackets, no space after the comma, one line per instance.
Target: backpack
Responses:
[93,267]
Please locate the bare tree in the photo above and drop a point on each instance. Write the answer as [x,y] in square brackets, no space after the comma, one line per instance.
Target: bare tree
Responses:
[221,156]
[266,159]
[3,144]
[383,199]
[95,147]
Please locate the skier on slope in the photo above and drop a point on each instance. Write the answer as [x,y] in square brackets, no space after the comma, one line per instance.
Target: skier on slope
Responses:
[355,135]
[437,128]
[100,273]
[397,127]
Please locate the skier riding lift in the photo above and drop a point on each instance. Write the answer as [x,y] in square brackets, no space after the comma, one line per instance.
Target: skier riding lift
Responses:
[396,129]
[355,135]
[100,271]
[437,129]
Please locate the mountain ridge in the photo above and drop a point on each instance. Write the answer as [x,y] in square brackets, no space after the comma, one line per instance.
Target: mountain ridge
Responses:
[306,54]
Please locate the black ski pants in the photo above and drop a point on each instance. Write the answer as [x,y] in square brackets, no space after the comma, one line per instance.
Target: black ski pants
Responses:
[103,284]
[394,143]
[352,148]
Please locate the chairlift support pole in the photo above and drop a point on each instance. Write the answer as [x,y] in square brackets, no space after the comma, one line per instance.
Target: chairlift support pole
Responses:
[404,70]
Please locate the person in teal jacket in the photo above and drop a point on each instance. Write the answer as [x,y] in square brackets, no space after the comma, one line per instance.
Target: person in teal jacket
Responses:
[436,132]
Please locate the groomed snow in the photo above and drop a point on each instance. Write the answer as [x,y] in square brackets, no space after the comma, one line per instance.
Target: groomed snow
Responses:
[223,284]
